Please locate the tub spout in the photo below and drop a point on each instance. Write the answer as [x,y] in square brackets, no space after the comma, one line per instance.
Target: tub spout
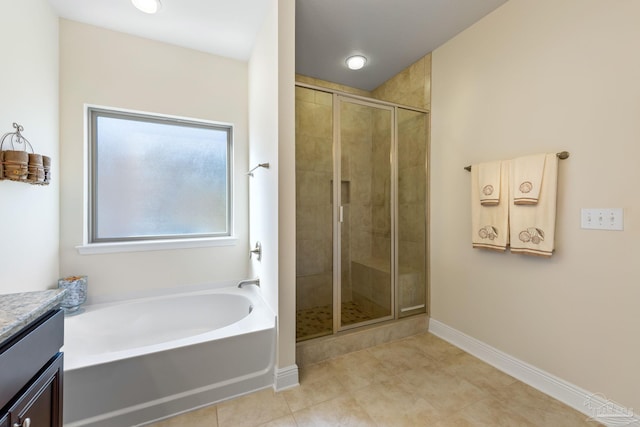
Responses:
[255,281]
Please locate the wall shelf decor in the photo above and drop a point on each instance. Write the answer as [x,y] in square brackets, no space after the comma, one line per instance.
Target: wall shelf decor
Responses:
[19,162]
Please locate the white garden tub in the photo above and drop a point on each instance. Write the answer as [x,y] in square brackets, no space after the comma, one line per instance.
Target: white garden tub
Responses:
[135,361]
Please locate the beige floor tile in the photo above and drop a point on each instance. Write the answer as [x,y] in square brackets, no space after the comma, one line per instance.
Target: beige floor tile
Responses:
[359,369]
[433,346]
[312,392]
[315,372]
[417,381]
[477,372]
[443,391]
[204,417]
[342,411]
[489,413]
[540,409]
[287,421]
[252,410]
[392,403]
[398,356]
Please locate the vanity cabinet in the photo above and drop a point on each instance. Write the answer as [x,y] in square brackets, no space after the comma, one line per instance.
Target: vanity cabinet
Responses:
[31,370]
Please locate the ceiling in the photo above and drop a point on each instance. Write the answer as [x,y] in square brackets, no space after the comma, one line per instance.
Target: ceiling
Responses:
[392,34]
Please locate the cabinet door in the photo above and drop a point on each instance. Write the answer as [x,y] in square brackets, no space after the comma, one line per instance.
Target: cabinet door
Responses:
[41,404]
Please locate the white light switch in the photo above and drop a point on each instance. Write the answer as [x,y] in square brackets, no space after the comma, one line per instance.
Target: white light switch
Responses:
[602,219]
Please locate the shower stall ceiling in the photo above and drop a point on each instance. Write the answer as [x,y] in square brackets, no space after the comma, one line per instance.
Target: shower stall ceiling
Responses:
[362,260]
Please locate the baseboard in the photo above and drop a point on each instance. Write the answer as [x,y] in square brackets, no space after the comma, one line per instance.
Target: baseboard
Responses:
[594,405]
[285,378]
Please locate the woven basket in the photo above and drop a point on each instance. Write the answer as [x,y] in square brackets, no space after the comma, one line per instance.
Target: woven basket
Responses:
[15,165]
[46,165]
[35,169]
[22,165]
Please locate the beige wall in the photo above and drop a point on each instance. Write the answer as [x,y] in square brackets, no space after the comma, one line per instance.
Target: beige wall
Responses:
[532,77]
[29,214]
[113,69]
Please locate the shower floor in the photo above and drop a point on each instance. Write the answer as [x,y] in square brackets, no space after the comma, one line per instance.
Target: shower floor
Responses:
[317,321]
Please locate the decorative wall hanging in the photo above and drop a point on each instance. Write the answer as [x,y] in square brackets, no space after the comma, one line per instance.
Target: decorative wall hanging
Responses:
[18,161]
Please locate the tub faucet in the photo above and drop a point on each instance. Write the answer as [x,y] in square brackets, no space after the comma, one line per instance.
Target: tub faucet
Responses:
[255,281]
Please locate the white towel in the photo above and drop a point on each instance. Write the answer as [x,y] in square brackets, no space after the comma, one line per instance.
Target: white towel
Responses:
[532,227]
[490,224]
[489,183]
[526,179]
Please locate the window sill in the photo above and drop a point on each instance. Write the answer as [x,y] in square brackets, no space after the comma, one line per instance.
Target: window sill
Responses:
[154,245]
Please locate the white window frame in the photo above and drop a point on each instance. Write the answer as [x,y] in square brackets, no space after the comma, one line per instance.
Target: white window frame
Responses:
[153,243]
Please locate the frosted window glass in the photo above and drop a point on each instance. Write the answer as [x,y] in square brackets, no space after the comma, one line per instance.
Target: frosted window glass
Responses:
[158,179]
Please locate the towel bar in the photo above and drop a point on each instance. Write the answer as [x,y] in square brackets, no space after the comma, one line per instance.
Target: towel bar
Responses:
[561,155]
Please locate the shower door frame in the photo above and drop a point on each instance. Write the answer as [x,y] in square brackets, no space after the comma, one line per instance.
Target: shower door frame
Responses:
[336,193]
[337,211]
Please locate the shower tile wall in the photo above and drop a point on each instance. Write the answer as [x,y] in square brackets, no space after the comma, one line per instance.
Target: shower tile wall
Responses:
[412,86]
[314,174]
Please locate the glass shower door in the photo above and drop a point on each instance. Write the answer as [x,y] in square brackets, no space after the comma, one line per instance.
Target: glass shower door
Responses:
[314,213]
[412,211]
[365,276]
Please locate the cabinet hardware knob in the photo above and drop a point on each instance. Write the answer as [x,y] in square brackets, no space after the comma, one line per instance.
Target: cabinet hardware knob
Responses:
[25,423]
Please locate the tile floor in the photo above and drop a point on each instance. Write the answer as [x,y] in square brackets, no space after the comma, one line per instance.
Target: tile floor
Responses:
[318,321]
[417,381]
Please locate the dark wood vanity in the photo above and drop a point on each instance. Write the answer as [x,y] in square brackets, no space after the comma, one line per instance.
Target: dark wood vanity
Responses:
[31,374]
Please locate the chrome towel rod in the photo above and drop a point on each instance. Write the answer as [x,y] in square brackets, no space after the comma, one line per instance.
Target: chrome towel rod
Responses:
[561,155]
[260,165]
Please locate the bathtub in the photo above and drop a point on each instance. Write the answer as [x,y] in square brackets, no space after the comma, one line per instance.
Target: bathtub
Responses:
[137,361]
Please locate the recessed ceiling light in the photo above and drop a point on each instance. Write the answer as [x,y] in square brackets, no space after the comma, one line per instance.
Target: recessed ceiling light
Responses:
[356,62]
[147,6]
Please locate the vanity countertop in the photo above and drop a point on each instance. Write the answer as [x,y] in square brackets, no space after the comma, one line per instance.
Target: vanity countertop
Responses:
[20,309]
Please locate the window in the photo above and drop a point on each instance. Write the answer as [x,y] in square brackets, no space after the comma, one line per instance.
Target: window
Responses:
[155,177]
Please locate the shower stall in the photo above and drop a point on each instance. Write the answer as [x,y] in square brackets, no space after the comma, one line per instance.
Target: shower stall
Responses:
[361,211]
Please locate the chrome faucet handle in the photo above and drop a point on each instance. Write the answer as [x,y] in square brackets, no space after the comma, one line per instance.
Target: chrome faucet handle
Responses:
[257,250]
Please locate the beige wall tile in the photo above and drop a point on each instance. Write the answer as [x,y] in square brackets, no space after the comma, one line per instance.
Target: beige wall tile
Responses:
[411,87]
[335,86]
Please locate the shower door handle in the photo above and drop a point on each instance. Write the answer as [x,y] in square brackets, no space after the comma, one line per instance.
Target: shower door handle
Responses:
[341,215]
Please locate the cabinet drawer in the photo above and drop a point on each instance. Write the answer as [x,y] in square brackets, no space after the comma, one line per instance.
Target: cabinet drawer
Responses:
[28,352]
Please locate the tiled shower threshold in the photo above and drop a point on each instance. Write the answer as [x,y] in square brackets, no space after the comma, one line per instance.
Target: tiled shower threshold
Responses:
[327,347]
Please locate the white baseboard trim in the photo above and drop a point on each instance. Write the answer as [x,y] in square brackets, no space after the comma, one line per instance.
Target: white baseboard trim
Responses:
[594,405]
[285,378]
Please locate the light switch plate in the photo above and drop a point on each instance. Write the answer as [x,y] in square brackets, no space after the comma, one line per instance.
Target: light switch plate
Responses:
[602,219]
